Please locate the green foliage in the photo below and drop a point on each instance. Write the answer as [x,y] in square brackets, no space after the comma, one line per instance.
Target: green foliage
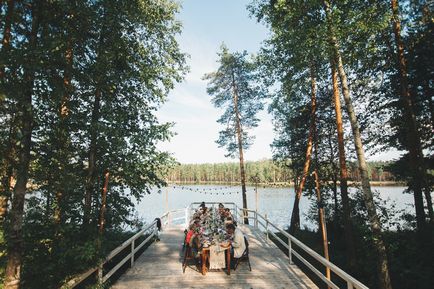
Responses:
[299,43]
[235,75]
[409,262]
[101,70]
[266,172]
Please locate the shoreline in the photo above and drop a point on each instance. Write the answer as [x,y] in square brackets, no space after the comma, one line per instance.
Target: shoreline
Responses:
[291,184]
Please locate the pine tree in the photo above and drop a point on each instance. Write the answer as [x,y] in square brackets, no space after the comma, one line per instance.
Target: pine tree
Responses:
[234,87]
[383,267]
[58,51]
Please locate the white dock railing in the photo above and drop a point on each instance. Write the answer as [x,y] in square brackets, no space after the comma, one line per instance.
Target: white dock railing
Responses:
[150,231]
[259,222]
[262,223]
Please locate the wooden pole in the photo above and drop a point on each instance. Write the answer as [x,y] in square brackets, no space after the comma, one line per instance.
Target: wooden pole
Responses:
[322,222]
[12,275]
[240,147]
[374,220]
[413,143]
[256,194]
[103,203]
[266,226]
[101,223]
[167,206]
[167,199]
[295,215]
[343,172]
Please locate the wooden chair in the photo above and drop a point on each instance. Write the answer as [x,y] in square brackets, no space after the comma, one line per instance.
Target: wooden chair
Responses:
[244,257]
[185,238]
[188,255]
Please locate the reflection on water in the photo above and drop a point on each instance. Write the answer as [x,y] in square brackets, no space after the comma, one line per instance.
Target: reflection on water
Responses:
[275,202]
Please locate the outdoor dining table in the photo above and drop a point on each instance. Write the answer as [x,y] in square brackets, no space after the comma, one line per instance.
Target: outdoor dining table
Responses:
[212,233]
[206,255]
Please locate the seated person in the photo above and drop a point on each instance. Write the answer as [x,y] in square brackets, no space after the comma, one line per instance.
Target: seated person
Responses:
[189,234]
[196,220]
[192,239]
[204,212]
[238,245]
[221,210]
[228,221]
[228,213]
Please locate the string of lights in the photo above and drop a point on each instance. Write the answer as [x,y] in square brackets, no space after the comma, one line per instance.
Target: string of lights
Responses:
[221,190]
[264,185]
[210,191]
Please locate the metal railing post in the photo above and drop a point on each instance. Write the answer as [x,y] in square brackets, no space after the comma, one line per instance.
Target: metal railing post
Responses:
[266,226]
[256,219]
[100,273]
[101,276]
[244,215]
[290,250]
[132,253]
[235,216]
[168,218]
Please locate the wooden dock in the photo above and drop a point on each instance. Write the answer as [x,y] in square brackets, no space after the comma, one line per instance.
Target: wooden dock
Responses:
[160,266]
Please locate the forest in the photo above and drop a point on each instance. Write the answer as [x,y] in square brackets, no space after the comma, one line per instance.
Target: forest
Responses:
[267,172]
[340,79]
[81,83]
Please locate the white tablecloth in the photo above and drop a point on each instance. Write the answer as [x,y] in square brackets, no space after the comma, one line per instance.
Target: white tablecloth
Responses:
[216,257]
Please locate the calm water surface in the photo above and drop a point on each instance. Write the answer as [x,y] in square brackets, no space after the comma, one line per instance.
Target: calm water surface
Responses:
[275,202]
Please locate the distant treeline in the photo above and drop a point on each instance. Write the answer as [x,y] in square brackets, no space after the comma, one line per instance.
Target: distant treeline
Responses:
[264,171]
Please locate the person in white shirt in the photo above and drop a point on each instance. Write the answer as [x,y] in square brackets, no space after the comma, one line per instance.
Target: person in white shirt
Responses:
[238,244]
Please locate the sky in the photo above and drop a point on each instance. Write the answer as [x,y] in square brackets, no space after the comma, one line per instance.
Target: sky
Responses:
[206,25]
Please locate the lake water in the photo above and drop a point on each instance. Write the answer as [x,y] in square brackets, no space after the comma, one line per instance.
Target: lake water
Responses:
[275,202]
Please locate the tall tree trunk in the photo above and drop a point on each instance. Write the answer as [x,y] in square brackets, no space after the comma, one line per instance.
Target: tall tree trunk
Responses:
[6,179]
[413,142]
[91,171]
[374,221]
[62,130]
[348,230]
[427,192]
[295,216]
[428,92]
[240,148]
[25,120]
[93,133]
[101,219]
[10,150]
[101,222]
[334,176]
[321,213]
[322,222]
[8,170]
[6,41]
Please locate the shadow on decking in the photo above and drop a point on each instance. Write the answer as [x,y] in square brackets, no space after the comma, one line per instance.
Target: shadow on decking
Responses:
[161,267]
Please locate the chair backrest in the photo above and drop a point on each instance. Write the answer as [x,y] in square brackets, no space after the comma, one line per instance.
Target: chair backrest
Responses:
[246,242]
[188,252]
[158,223]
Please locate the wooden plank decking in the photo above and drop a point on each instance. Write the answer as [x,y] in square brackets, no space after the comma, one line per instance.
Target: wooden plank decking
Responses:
[160,266]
